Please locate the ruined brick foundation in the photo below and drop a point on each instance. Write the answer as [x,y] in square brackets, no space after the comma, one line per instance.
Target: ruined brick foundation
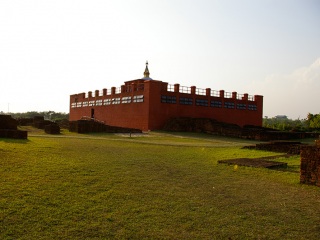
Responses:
[89,126]
[8,128]
[212,126]
[289,147]
[310,164]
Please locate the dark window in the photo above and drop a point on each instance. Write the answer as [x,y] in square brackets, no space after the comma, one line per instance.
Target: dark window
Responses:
[92,113]
[186,101]
[241,106]
[202,102]
[217,104]
[107,101]
[229,105]
[115,100]
[168,99]
[252,107]
[138,98]
[126,100]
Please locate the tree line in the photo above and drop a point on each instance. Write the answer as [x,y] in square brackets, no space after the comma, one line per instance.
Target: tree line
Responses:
[282,123]
[48,115]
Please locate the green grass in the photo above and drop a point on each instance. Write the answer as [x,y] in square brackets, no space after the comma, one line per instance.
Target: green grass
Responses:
[155,186]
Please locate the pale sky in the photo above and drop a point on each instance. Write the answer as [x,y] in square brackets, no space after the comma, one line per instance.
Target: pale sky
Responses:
[50,49]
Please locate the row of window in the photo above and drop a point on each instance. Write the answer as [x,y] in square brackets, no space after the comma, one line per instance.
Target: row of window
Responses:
[164,99]
[205,102]
[108,101]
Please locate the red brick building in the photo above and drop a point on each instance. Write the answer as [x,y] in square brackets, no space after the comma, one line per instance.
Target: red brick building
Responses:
[147,104]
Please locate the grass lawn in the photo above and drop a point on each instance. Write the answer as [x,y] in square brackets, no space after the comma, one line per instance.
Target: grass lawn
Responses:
[153,186]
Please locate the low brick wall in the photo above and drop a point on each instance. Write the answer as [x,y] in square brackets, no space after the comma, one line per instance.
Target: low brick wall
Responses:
[310,164]
[25,121]
[214,127]
[17,134]
[281,146]
[7,122]
[52,129]
[288,147]
[88,126]
[8,128]
[40,123]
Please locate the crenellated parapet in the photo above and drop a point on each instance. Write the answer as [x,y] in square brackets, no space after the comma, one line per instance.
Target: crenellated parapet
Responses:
[198,96]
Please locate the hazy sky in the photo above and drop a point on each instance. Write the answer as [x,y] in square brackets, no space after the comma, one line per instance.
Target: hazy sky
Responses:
[52,49]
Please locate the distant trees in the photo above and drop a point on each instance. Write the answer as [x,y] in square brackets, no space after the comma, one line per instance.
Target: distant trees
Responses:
[313,121]
[282,123]
[48,115]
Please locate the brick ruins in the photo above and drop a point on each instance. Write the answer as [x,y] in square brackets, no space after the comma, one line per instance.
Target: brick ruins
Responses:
[288,147]
[310,164]
[9,129]
[91,125]
[40,123]
[52,128]
[214,127]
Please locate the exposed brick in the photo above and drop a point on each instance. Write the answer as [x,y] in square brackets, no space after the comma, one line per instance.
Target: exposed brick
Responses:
[8,128]
[310,164]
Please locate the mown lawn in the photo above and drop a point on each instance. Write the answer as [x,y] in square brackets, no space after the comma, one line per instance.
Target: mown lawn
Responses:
[156,186]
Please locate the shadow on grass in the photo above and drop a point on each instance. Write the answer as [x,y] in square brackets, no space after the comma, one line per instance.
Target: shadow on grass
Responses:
[277,163]
[290,168]
[14,140]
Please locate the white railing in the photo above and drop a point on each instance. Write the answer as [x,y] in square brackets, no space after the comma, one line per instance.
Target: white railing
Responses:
[184,89]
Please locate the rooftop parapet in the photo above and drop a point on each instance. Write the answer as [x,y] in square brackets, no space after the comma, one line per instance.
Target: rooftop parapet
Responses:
[139,85]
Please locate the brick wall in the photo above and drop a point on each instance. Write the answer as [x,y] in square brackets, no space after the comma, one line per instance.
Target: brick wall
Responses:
[310,164]
[149,104]
[8,128]
[7,122]
[88,126]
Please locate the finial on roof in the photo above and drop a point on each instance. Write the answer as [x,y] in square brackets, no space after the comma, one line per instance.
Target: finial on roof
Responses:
[146,71]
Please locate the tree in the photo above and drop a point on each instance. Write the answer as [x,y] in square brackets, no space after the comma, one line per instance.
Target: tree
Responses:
[49,115]
[282,123]
[313,121]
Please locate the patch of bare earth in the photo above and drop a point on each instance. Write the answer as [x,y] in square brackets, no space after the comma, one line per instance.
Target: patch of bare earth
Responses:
[264,162]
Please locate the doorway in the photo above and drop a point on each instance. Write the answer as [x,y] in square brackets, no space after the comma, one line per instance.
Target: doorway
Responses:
[92,113]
